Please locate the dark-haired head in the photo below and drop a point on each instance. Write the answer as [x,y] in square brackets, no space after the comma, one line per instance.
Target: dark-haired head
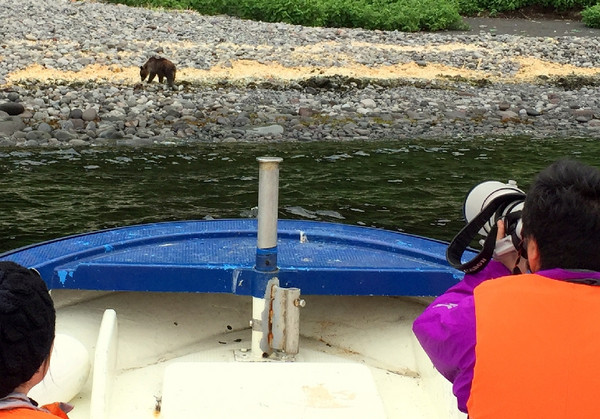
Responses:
[27,325]
[562,214]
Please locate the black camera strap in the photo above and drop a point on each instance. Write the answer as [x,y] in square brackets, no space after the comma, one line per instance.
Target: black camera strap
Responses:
[463,239]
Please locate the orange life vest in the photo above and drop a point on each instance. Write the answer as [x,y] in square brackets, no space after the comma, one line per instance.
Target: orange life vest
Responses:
[25,413]
[537,351]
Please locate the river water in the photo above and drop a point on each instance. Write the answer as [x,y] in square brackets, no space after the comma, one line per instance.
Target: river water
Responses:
[412,186]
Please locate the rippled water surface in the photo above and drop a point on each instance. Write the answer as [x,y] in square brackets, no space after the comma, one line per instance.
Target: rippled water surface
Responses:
[412,186]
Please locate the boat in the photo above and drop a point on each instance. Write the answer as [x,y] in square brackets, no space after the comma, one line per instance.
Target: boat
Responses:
[256,317]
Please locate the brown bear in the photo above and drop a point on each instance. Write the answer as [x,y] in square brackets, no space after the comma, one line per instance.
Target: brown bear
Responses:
[158,66]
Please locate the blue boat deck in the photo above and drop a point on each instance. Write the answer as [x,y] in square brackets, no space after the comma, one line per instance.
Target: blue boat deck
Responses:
[219,256]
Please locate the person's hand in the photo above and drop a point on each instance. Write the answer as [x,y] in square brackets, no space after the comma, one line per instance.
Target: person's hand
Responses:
[505,252]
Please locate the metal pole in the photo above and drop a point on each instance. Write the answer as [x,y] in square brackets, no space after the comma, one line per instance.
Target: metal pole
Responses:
[266,249]
[268,196]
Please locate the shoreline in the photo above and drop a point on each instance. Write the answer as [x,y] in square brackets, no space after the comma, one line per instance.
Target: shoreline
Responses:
[77,80]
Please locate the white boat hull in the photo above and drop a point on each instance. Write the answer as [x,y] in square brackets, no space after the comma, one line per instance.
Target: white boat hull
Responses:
[161,332]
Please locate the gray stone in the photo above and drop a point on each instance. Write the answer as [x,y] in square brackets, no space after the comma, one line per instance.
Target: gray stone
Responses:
[78,124]
[594,123]
[268,130]
[44,127]
[67,125]
[40,115]
[583,118]
[171,111]
[583,114]
[7,142]
[9,126]
[305,112]
[456,114]
[36,135]
[89,114]
[368,103]
[77,143]
[110,133]
[114,115]
[504,115]
[12,108]
[76,114]
[63,135]
[241,121]
[138,142]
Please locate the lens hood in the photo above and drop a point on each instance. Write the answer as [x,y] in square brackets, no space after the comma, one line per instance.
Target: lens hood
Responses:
[484,204]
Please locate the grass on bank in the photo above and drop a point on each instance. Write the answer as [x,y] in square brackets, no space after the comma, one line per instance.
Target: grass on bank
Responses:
[402,15]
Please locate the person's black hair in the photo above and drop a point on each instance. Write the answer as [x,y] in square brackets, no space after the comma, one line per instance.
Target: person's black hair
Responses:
[27,325]
[562,213]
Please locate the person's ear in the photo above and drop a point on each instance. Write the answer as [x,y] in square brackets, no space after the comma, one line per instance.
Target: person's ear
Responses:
[533,255]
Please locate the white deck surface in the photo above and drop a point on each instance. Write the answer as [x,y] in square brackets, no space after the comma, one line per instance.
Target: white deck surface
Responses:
[270,390]
[167,342]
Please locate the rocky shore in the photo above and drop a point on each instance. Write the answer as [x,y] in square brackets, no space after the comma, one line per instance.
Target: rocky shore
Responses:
[69,77]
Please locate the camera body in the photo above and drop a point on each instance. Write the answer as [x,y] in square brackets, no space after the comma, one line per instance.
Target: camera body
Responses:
[484,205]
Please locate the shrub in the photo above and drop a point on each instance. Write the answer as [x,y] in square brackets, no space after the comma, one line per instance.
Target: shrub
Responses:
[567,4]
[404,15]
[435,15]
[341,14]
[591,16]
[468,7]
[299,12]
[494,6]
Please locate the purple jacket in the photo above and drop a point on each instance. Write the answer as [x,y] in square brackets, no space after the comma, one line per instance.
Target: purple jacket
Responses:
[446,329]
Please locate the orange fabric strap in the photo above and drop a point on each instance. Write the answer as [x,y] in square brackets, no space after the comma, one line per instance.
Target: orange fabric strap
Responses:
[537,350]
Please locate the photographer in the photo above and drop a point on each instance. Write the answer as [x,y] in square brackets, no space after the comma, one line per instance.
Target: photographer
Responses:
[527,345]
[27,327]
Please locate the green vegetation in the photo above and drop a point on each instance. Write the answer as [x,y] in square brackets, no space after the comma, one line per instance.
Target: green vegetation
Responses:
[402,15]
[591,16]
[493,7]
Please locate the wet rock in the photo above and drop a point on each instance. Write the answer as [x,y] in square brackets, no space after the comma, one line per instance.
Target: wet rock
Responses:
[37,135]
[12,108]
[77,142]
[63,135]
[110,133]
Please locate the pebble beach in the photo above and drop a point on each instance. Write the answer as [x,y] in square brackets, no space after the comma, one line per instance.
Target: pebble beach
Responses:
[69,77]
